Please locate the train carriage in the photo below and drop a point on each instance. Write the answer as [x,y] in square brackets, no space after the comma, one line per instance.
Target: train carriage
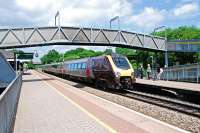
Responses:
[107,71]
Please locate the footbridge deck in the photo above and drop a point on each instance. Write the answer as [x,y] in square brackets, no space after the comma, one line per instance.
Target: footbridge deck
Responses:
[44,36]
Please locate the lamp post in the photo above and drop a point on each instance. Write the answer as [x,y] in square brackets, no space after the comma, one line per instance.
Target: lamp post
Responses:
[113,19]
[152,68]
[166,54]
[15,61]
[63,57]
[57,15]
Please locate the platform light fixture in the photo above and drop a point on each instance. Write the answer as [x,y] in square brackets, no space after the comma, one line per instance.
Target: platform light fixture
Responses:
[57,15]
[166,54]
[36,53]
[114,19]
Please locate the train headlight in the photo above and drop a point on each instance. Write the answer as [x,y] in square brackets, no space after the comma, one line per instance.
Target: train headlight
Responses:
[117,74]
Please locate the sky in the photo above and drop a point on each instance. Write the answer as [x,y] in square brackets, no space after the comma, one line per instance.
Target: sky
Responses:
[135,15]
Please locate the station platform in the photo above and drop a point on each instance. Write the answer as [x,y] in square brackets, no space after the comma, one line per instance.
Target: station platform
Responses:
[49,105]
[194,87]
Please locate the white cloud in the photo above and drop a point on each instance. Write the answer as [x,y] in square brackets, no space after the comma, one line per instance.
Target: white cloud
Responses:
[77,12]
[186,9]
[38,4]
[148,18]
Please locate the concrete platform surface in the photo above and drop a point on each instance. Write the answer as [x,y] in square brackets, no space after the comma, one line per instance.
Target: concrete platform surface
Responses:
[49,105]
[42,110]
[171,84]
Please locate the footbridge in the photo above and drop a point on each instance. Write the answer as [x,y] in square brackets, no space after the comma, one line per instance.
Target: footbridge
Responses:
[44,36]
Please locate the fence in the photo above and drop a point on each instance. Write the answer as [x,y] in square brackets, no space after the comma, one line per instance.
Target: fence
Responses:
[186,73]
[8,104]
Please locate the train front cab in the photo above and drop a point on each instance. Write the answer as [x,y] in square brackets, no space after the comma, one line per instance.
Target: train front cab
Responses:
[113,71]
[123,72]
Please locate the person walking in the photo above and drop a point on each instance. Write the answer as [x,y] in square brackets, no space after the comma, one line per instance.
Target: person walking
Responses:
[148,71]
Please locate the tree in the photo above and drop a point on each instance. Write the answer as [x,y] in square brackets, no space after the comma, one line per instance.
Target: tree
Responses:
[30,65]
[17,51]
[108,51]
[181,33]
[80,53]
[138,57]
[125,51]
[51,57]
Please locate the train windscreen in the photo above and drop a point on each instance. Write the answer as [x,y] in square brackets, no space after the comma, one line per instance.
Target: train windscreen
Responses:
[121,62]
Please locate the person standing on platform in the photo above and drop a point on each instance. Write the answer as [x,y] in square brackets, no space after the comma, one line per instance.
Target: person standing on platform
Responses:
[160,73]
[148,71]
[25,66]
[141,69]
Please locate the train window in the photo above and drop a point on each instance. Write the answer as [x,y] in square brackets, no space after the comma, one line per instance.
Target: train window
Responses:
[105,65]
[75,66]
[97,64]
[121,62]
[93,63]
[79,65]
[72,66]
[83,66]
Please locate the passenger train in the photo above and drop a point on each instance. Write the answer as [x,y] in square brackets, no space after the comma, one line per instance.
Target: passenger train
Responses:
[106,71]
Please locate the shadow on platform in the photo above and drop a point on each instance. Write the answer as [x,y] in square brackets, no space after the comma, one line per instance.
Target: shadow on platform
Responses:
[79,85]
[26,73]
[36,80]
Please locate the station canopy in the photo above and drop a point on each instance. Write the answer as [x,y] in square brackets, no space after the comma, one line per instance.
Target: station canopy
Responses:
[184,45]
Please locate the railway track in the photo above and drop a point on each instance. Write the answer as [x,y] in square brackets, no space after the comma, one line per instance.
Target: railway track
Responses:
[163,101]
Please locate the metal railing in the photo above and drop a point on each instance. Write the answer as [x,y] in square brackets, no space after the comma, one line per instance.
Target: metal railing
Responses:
[8,104]
[185,73]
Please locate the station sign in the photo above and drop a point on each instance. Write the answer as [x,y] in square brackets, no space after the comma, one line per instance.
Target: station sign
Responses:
[25,56]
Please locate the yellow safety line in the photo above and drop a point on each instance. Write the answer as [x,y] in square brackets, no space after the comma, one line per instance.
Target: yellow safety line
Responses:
[84,110]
